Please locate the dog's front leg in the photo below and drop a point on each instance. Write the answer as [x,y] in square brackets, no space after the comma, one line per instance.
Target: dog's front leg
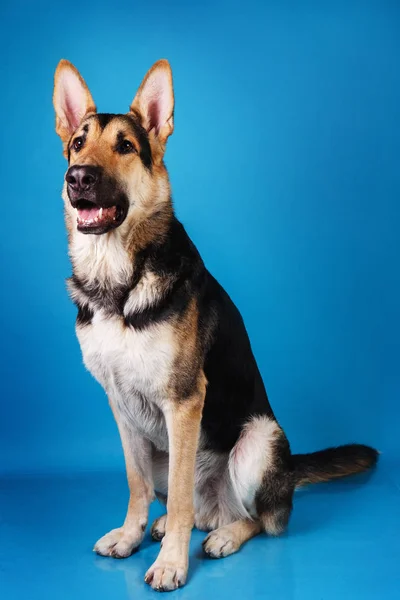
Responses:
[121,542]
[183,422]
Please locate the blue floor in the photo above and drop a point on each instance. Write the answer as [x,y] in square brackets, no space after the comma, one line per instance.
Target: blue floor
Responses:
[343,542]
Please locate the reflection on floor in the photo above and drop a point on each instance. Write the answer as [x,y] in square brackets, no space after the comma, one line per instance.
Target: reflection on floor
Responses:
[343,543]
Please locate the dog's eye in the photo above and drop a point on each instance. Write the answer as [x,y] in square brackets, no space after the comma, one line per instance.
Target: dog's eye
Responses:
[77,144]
[125,147]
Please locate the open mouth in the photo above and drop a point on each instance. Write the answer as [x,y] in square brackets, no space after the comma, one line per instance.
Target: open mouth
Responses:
[92,218]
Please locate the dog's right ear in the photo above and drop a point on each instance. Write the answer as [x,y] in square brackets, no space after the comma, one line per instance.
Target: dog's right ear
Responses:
[71,99]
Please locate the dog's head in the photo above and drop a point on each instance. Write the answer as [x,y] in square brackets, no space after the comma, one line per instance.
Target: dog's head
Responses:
[115,160]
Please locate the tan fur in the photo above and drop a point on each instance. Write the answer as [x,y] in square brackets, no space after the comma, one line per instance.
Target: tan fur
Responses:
[183,423]
[151,226]
[187,357]
[229,538]
[99,150]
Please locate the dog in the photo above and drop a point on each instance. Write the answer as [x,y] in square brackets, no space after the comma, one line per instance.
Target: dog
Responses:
[168,345]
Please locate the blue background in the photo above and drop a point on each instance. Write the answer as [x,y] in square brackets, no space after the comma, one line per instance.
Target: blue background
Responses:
[284,166]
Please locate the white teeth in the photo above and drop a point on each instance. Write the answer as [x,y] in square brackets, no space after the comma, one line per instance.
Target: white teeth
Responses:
[100,213]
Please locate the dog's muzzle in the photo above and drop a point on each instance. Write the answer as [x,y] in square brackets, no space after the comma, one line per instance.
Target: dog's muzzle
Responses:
[98,204]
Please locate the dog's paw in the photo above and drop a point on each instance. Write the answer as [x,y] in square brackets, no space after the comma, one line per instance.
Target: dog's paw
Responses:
[165,576]
[220,543]
[158,528]
[118,543]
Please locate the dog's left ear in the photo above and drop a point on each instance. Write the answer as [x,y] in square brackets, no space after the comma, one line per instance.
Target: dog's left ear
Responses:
[71,99]
[154,101]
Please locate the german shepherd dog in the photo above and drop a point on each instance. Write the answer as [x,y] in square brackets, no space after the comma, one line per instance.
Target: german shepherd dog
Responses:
[168,345]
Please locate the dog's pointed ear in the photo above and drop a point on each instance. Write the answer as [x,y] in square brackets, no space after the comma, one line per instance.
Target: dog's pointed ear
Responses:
[154,101]
[71,99]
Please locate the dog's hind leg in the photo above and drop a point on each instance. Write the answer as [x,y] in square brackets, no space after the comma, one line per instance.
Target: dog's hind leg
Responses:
[274,501]
[260,489]
[262,451]
[160,466]
[158,528]
[229,538]
[274,497]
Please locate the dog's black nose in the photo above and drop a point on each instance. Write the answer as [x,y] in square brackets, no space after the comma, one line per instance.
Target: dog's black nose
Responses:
[82,178]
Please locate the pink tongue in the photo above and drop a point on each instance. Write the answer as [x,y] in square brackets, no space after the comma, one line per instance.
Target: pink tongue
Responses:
[97,215]
[88,214]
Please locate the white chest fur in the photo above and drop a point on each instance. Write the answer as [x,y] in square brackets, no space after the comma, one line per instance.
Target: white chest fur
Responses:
[134,368]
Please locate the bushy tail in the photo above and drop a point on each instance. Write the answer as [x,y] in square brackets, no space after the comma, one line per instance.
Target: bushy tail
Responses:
[331,463]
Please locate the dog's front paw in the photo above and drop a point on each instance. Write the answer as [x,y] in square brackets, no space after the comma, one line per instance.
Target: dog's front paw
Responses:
[118,543]
[165,576]
[170,569]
